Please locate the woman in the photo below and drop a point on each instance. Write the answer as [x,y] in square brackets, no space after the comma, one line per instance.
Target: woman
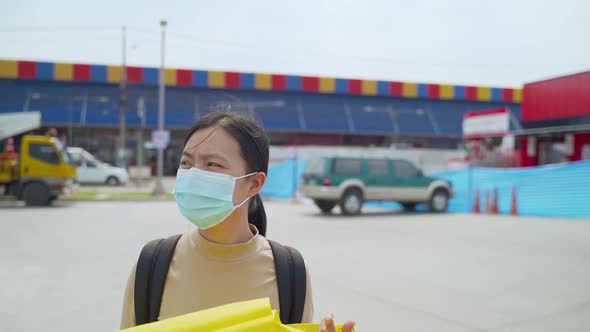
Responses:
[226,258]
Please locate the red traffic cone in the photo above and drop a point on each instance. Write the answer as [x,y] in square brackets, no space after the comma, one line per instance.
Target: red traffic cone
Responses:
[9,145]
[514,207]
[9,148]
[495,207]
[477,205]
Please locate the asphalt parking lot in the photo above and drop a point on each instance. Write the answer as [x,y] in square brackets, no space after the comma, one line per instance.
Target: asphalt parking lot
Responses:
[65,267]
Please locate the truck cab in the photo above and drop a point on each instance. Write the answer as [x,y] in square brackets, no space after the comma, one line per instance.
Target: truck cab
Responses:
[37,170]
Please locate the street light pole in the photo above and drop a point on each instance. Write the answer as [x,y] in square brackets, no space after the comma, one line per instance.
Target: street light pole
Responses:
[159,189]
[139,134]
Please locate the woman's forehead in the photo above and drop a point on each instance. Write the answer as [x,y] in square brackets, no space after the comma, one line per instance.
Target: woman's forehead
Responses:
[213,139]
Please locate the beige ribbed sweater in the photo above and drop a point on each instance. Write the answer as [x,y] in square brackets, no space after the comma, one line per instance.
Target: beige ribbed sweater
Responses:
[204,274]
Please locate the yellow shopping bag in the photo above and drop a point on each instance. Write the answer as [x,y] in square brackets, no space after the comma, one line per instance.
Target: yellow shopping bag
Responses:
[254,315]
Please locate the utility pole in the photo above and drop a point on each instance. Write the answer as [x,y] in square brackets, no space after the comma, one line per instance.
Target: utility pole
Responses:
[159,189]
[139,138]
[123,105]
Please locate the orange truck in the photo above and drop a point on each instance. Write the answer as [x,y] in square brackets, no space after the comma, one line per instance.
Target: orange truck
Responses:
[36,169]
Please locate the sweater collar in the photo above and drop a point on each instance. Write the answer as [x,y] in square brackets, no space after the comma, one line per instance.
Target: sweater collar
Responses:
[228,252]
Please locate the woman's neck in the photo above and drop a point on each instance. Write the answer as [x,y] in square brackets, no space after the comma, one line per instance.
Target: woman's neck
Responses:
[233,230]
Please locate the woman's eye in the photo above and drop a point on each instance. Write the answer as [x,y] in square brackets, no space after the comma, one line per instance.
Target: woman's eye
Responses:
[184,163]
[211,164]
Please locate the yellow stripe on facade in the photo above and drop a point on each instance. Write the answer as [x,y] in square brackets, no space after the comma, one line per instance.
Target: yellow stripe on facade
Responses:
[170,77]
[484,94]
[327,85]
[63,71]
[217,79]
[409,89]
[114,74]
[517,95]
[447,91]
[369,87]
[8,69]
[263,81]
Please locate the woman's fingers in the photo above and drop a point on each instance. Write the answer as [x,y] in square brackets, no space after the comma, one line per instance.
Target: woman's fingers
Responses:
[327,324]
[348,326]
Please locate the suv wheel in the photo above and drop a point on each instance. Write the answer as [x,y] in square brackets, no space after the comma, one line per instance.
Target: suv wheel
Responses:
[439,201]
[112,181]
[325,206]
[351,202]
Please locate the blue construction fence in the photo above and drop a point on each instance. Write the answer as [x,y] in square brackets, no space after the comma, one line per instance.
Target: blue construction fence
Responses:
[283,178]
[559,190]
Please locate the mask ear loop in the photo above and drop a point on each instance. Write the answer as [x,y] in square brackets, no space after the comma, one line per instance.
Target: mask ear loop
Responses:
[249,197]
[245,176]
[244,202]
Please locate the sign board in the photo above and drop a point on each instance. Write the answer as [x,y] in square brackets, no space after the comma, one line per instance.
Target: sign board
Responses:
[485,123]
[160,138]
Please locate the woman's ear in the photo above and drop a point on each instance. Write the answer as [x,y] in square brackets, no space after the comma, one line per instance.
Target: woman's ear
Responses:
[256,184]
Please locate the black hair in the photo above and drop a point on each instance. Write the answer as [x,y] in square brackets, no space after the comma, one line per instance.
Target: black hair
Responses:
[253,144]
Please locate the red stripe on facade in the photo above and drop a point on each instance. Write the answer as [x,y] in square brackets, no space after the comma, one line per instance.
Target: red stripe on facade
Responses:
[81,72]
[354,87]
[395,88]
[470,93]
[311,84]
[135,74]
[27,69]
[507,95]
[279,82]
[184,77]
[474,114]
[433,91]
[232,80]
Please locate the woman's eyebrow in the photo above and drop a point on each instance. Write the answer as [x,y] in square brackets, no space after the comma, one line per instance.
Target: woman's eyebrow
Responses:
[188,154]
[214,155]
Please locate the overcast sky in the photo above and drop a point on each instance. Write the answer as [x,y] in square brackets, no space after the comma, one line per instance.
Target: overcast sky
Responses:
[498,43]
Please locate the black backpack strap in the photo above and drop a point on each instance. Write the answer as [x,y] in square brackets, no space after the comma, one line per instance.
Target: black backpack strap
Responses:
[143,271]
[150,278]
[291,282]
[299,285]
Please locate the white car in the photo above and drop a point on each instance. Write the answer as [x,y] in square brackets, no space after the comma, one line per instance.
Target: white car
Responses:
[93,171]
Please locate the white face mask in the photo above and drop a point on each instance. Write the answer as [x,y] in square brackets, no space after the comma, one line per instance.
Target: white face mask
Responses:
[206,198]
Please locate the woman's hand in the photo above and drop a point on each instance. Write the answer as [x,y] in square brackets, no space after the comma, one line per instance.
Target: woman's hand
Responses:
[327,325]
